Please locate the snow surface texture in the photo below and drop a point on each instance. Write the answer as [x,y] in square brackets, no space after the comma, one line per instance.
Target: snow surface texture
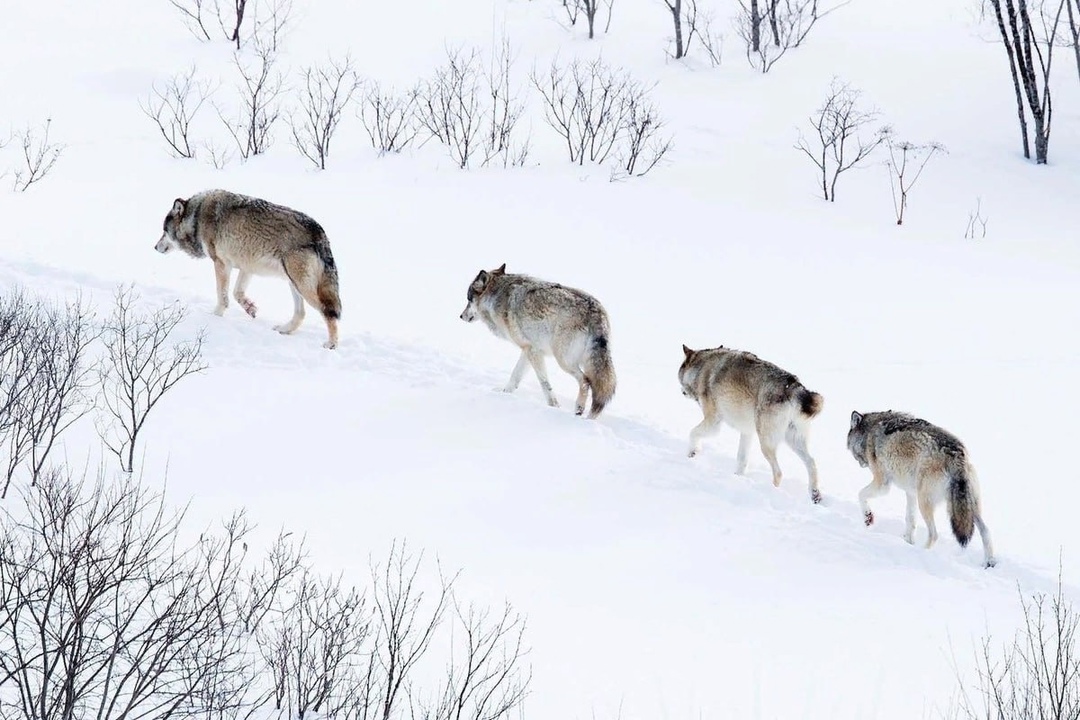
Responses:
[656,586]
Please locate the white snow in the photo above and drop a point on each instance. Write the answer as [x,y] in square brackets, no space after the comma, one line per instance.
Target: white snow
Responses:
[655,586]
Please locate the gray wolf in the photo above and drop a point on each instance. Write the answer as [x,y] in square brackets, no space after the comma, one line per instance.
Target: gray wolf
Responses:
[754,397]
[545,318]
[928,463]
[257,237]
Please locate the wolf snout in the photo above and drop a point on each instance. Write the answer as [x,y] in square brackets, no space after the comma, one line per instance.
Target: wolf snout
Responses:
[467,315]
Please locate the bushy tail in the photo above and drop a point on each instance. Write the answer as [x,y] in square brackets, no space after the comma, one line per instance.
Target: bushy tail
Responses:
[599,373]
[962,507]
[810,403]
[327,288]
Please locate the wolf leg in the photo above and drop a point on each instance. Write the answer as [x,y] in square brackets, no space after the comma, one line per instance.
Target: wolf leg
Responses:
[243,277]
[708,426]
[536,359]
[769,437]
[518,372]
[988,546]
[909,519]
[926,507]
[797,441]
[221,274]
[876,488]
[742,458]
[583,385]
[298,313]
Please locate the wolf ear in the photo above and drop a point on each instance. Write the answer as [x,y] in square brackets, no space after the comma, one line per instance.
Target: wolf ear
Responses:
[687,351]
[178,206]
[856,418]
[501,270]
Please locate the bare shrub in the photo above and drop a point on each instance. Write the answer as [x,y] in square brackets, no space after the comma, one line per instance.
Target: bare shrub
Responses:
[1031,53]
[142,362]
[471,110]
[684,16]
[484,679]
[173,108]
[389,118]
[840,143]
[504,110]
[45,378]
[712,41]
[313,645]
[197,14]
[1036,674]
[219,156]
[769,28]
[597,111]
[906,163]
[259,95]
[449,105]
[326,93]
[104,611]
[271,21]
[976,222]
[39,155]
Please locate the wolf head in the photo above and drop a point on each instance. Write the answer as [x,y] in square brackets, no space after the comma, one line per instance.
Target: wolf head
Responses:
[856,438]
[178,231]
[477,288]
[688,373]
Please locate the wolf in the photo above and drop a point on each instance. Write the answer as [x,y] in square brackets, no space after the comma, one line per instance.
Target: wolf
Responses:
[545,318]
[928,463]
[257,237]
[753,396]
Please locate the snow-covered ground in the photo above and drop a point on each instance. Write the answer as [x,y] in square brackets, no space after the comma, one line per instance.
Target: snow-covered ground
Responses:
[656,586]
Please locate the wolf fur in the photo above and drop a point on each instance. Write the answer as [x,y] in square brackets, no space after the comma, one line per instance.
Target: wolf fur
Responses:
[754,397]
[545,318]
[928,463]
[257,237]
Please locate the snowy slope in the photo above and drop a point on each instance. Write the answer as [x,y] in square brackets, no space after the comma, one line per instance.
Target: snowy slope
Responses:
[656,586]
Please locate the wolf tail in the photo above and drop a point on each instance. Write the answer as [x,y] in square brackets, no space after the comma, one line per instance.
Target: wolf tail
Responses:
[599,373]
[327,287]
[810,403]
[962,505]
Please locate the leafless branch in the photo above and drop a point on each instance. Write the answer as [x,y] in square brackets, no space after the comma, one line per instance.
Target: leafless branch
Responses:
[142,362]
[906,163]
[326,93]
[39,155]
[259,94]
[173,108]
[389,118]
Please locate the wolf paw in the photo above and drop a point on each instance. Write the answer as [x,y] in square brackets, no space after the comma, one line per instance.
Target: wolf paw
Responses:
[868,518]
[579,410]
[815,496]
[249,307]
[990,563]
[219,310]
[329,344]
[285,329]
[692,453]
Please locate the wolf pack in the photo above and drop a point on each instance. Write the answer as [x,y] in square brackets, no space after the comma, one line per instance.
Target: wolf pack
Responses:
[734,387]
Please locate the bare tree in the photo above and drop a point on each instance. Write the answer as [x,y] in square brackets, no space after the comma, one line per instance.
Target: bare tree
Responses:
[644,141]
[976,223]
[1072,8]
[1031,55]
[103,608]
[142,362]
[314,645]
[45,378]
[600,113]
[769,28]
[840,143]
[582,103]
[173,108]
[259,94]
[504,110]
[39,155]
[326,93]
[906,163]
[449,106]
[1036,675]
[404,623]
[195,14]
[389,118]
[484,679]
[684,15]
[592,10]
